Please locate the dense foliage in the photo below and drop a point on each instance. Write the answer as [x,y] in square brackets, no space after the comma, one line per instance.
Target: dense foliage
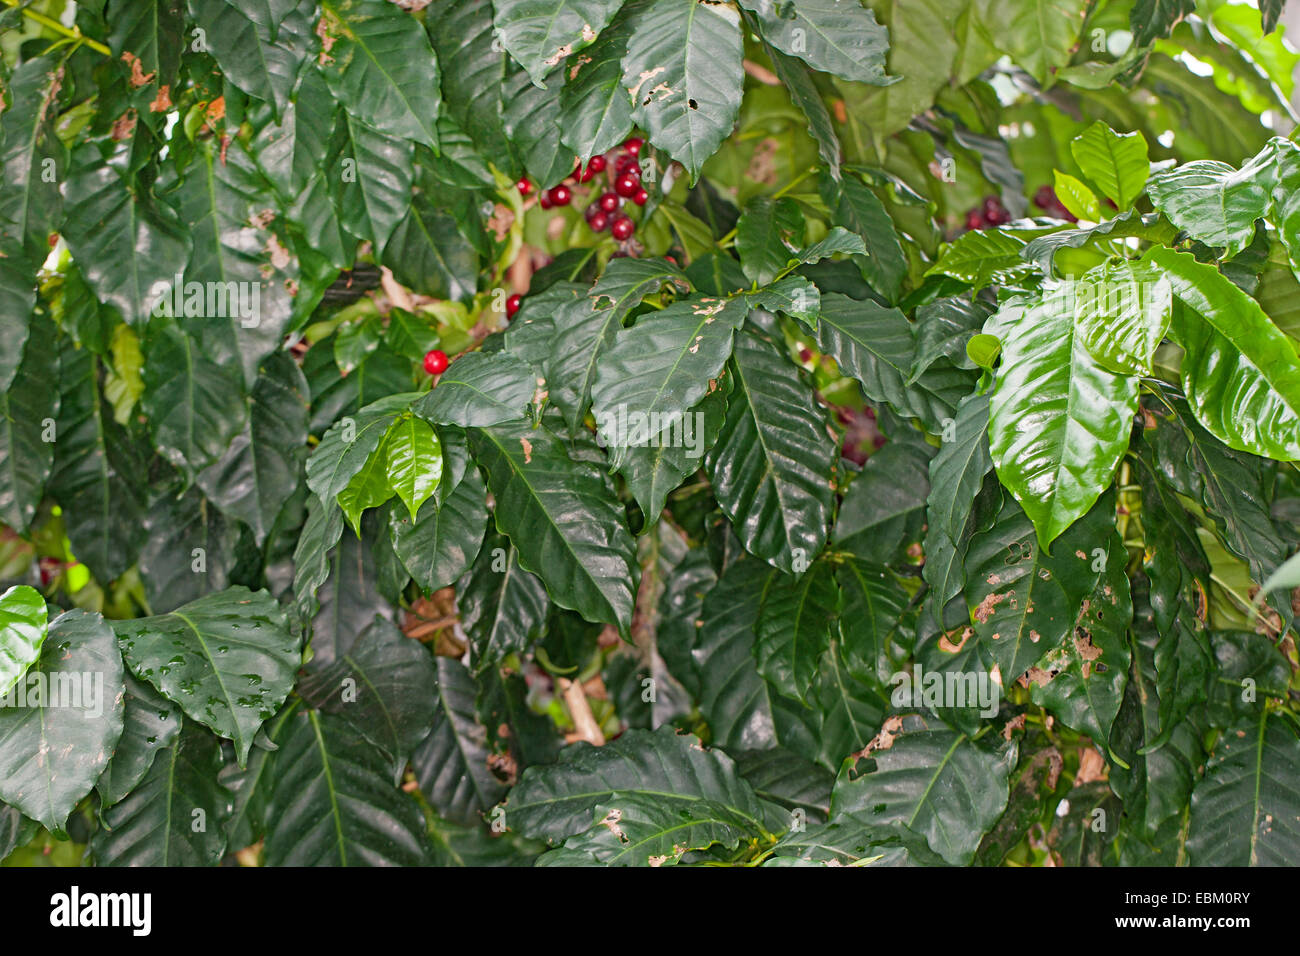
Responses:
[648,431]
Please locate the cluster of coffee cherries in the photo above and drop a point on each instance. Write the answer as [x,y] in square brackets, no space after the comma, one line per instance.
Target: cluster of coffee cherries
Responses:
[989,213]
[604,211]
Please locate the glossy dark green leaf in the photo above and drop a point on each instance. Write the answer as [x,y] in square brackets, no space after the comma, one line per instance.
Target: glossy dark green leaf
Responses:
[381,67]
[349,444]
[28,424]
[1117,164]
[254,55]
[481,389]
[444,539]
[831,36]
[683,70]
[226,658]
[382,685]
[452,763]
[190,549]
[766,236]
[333,801]
[128,245]
[59,726]
[1246,809]
[263,463]
[856,207]
[658,370]
[428,253]
[541,34]
[1214,202]
[98,472]
[562,516]
[595,106]
[503,608]
[772,467]
[794,629]
[558,801]
[33,158]
[932,780]
[150,724]
[175,816]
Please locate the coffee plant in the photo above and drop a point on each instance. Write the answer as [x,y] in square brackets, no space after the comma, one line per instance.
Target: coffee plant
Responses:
[784,432]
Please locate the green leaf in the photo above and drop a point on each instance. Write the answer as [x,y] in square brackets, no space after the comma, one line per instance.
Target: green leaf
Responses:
[382,685]
[17,300]
[985,256]
[481,389]
[661,368]
[957,473]
[1244,809]
[563,517]
[541,34]
[743,711]
[1213,202]
[33,159]
[377,197]
[794,629]
[503,608]
[558,801]
[595,108]
[1118,164]
[1154,19]
[150,723]
[127,244]
[98,476]
[443,540]
[176,815]
[262,465]
[772,468]
[349,444]
[194,403]
[333,801]
[253,54]
[931,780]
[60,725]
[189,550]
[26,409]
[1082,679]
[867,629]
[683,70]
[381,67]
[654,471]
[638,829]
[23,627]
[414,461]
[1239,373]
[798,82]
[1122,312]
[768,233]
[1058,421]
[1076,197]
[584,330]
[227,659]
[428,253]
[451,764]
[836,37]
[854,206]
[1040,35]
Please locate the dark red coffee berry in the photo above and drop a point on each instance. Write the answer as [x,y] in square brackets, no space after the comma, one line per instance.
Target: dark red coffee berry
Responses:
[512,305]
[622,228]
[607,202]
[435,361]
[626,186]
[640,197]
[597,163]
[995,214]
[525,187]
[974,220]
[599,222]
[560,195]
[633,145]
[544,200]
